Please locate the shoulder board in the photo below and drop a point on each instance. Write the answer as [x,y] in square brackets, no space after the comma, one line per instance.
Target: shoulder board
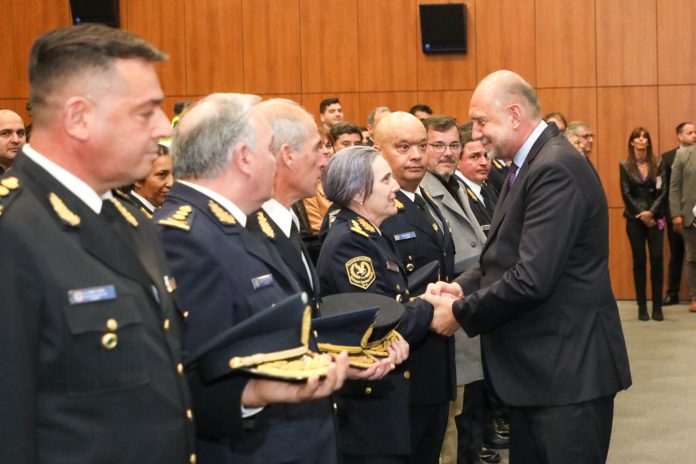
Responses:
[124,212]
[221,214]
[145,212]
[355,227]
[64,213]
[365,224]
[398,204]
[497,163]
[182,218]
[9,188]
[265,225]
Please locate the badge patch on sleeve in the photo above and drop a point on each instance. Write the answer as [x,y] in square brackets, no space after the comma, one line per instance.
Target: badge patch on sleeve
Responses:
[360,271]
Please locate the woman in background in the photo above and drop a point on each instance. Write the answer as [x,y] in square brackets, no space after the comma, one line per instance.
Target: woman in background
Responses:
[644,194]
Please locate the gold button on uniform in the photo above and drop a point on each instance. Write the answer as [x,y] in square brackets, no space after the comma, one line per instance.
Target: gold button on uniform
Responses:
[368,390]
[335,406]
[186,314]
[112,324]
[109,341]
[180,368]
[192,458]
[189,414]
[165,324]
[407,374]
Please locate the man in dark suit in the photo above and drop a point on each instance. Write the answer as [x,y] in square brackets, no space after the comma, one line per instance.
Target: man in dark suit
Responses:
[686,134]
[552,342]
[225,170]
[89,334]
[12,137]
[420,234]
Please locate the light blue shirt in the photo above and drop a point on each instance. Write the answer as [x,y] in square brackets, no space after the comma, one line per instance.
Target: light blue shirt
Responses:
[521,155]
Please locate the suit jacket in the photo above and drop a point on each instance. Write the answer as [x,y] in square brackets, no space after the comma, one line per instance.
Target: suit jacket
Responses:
[682,187]
[643,195]
[542,300]
[90,338]
[417,242]
[225,274]
[468,242]
[373,416]
[466,232]
[668,160]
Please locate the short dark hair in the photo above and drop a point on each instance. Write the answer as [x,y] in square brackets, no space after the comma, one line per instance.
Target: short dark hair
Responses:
[420,107]
[680,126]
[344,127]
[326,102]
[556,115]
[439,123]
[181,105]
[465,136]
[64,53]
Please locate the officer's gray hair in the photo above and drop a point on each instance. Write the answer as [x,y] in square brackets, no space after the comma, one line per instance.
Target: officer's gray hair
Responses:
[205,138]
[290,123]
[349,173]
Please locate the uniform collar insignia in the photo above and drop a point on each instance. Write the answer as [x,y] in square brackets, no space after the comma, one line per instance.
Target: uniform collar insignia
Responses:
[221,214]
[366,225]
[125,213]
[147,213]
[398,204]
[265,225]
[355,227]
[180,219]
[10,183]
[63,212]
[472,194]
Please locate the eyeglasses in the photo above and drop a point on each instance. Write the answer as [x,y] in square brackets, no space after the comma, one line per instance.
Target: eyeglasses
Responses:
[455,147]
[404,147]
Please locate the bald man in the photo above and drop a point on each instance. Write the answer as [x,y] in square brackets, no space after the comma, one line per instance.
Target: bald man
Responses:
[541,297]
[12,138]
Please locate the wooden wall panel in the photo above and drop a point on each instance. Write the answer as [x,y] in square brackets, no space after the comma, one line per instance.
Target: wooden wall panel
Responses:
[329,39]
[349,101]
[626,42]
[505,37]
[620,259]
[677,104]
[32,18]
[8,66]
[620,110]
[453,103]
[565,45]
[161,22]
[388,41]
[676,42]
[396,101]
[271,46]
[576,104]
[448,71]
[214,58]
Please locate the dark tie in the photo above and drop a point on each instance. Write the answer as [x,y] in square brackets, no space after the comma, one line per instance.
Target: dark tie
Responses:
[512,174]
[295,238]
[423,206]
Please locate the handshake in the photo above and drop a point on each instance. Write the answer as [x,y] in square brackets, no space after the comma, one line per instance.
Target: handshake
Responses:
[441,295]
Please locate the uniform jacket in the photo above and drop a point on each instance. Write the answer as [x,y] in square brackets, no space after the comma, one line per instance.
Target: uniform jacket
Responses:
[643,195]
[682,188]
[225,275]
[541,296]
[418,241]
[373,417]
[90,338]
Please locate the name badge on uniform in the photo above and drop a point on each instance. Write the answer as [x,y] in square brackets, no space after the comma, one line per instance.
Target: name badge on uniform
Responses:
[262,281]
[392,266]
[91,294]
[405,236]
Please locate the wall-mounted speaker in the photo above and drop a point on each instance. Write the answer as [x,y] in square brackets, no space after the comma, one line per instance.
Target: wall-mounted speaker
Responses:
[95,11]
[443,27]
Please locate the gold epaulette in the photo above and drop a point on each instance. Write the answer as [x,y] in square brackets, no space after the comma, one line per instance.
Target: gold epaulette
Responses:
[398,204]
[64,213]
[265,225]
[221,214]
[9,187]
[355,227]
[124,212]
[182,218]
[472,194]
[145,211]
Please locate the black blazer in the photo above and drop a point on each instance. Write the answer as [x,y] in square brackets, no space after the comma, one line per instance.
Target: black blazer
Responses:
[542,299]
[68,397]
[225,274]
[643,195]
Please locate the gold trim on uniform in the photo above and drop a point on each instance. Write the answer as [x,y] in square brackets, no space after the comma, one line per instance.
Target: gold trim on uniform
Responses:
[221,214]
[472,194]
[63,211]
[437,229]
[11,183]
[178,220]
[306,325]
[124,212]
[398,204]
[355,227]
[4,191]
[265,225]
[366,225]
[145,211]
[360,271]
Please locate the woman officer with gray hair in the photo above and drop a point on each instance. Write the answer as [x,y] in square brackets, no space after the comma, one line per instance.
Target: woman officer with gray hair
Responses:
[355,257]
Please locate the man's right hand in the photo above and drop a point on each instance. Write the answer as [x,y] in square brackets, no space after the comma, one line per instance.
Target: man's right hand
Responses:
[451,290]
[678,223]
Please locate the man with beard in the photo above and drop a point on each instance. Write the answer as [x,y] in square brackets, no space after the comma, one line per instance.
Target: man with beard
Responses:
[12,138]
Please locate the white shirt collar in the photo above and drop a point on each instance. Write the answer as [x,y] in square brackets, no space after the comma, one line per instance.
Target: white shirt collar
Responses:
[77,186]
[282,216]
[150,207]
[412,195]
[224,202]
[522,153]
[476,188]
